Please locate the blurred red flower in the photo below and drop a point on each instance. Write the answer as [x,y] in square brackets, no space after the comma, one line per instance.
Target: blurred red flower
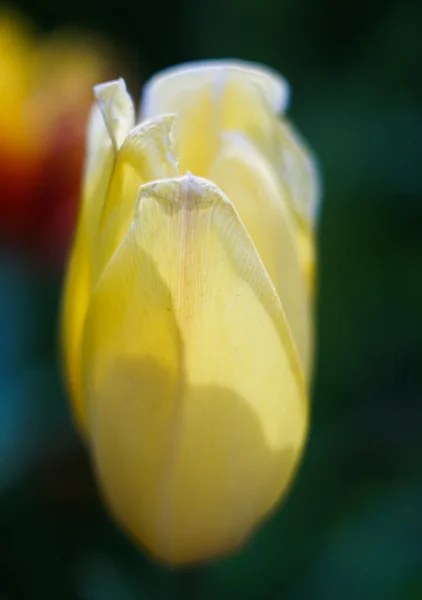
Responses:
[46,91]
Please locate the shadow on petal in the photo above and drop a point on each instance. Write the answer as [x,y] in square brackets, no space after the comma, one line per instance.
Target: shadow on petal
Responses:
[187,470]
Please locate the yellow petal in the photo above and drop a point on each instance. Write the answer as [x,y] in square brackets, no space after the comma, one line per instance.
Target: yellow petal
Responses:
[111,121]
[298,171]
[212,98]
[209,98]
[245,177]
[78,284]
[167,87]
[148,153]
[111,118]
[117,109]
[307,253]
[196,397]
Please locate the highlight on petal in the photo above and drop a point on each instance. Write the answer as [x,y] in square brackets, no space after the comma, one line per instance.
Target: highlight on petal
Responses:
[247,178]
[210,98]
[197,407]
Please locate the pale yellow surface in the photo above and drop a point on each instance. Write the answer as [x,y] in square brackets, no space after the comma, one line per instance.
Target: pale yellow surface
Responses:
[197,406]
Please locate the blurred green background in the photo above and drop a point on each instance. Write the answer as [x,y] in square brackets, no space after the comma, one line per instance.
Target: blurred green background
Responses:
[351,528]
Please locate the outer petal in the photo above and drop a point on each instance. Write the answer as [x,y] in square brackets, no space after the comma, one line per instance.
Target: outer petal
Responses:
[246,177]
[298,172]
[108,125]
[212,97]
[196,397]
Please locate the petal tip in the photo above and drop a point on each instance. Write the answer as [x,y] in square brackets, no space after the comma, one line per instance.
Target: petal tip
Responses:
[273,86]
[117,109]
[106,91]
[154,141]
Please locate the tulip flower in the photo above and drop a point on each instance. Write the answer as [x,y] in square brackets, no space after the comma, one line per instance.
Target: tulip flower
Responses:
[187,318]
[45,87]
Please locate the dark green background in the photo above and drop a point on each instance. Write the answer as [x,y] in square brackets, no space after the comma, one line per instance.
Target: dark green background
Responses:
[351,528]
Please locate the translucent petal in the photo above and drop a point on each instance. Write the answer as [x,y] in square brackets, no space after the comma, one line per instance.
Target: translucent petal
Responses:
[148,153]
[298,171]
[167,86]
[211,98]
[196,396]
[106,128]
[117,108]
[248,179]
[111,120]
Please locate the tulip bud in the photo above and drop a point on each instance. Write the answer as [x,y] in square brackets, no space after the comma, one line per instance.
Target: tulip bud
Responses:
[187,311]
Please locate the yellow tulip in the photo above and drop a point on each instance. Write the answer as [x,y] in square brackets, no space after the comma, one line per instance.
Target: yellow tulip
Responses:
[187,310]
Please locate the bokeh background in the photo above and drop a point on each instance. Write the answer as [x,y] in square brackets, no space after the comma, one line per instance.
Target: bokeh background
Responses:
[351,526]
